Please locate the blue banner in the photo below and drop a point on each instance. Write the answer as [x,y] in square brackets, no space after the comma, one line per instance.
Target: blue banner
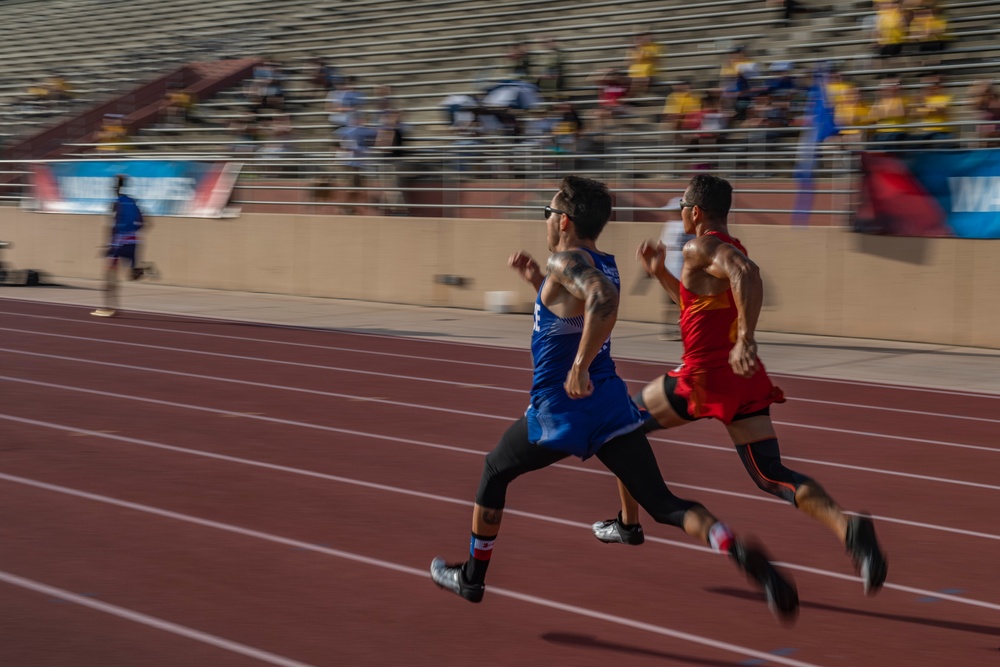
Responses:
[162,188]
[931,193]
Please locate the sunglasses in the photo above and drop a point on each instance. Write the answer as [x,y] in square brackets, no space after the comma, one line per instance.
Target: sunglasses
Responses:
[549,211]
[686,204]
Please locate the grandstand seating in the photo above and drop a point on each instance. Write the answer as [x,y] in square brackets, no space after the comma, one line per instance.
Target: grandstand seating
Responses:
[424,50]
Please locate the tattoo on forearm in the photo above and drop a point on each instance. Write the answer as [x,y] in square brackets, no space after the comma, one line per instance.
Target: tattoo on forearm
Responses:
[491,517]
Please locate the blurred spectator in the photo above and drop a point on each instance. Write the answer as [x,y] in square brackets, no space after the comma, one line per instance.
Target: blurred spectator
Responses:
[681,112]
[890,28]
[267,89]
[674,238]
[737,61]
[783,81]
[355,140]
[933,105]
[738,97]
[113,131]
[519,61]
[850,114]
[986,103]
[324,76]
[47,94]
[275,133]
[344,104]
[246,129]
[788,9]
[504,104]
[593,140]
[381,101]
[928,32]
[552,65]
[613,91]
[837,87]
[460,110]
[389,140]
[567,126]
[644,58]
[888,113]
[767,118]
[712,119]
[179,105]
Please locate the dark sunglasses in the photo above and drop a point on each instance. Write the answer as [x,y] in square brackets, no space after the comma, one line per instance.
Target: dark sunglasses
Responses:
[549,211]
[686,204]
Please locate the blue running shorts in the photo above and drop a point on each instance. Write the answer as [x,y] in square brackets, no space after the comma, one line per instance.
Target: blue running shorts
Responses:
[580,426]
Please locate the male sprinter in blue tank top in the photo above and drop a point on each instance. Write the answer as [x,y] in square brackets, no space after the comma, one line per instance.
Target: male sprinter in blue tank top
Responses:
[123,246]
[579,406]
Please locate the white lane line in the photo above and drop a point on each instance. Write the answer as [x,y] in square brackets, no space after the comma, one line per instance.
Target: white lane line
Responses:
[420,406]
[334,348]
[262,385]
[6,378]
[647,362]
[430,496]
[470,384]
[845,466]
[151,621]
[886,385]
[921,413]
[404,569]
[455,501]
[906,439]
[455,383]
[240,357]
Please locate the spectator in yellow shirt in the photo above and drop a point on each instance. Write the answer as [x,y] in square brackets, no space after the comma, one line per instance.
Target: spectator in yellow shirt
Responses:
[887,114]
[928,32]
[113,131]
[644,57]
[933,106]
[851,115]
[681,111]
[890,28]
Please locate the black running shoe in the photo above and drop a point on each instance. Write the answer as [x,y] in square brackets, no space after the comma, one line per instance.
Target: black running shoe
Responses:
[869,561]
[452,578]
[782,598]
[613,531]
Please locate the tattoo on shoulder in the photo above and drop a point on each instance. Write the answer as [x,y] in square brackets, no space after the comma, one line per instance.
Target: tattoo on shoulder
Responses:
[585,282]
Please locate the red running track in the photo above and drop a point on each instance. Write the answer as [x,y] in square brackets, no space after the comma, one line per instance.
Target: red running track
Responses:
[184,491]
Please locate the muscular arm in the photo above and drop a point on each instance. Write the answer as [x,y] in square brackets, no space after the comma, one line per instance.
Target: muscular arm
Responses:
[724,261]
[576,273]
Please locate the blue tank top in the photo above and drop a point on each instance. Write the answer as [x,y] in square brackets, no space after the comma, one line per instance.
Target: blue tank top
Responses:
[128,219]
[555,340]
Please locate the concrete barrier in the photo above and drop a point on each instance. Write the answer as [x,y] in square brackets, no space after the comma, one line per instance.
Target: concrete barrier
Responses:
[820,280]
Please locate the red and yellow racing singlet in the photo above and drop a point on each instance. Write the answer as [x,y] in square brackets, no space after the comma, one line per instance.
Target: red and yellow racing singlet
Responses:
[709,322]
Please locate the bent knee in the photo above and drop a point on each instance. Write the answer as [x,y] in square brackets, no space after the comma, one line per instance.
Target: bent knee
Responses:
[762,461]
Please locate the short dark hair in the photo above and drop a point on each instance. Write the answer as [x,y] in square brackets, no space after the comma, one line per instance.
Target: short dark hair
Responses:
[119,182]
[587,203]
[711,194]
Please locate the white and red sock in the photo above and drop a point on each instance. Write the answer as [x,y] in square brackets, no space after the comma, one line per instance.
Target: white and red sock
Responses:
[720,537]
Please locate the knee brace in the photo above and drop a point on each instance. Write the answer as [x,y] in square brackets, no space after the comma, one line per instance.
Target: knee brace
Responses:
[762,460]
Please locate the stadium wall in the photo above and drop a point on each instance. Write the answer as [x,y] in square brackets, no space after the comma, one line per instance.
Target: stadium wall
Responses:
[818,280]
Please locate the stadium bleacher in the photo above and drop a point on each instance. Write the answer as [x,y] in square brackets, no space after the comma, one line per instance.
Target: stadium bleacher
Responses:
[424,50]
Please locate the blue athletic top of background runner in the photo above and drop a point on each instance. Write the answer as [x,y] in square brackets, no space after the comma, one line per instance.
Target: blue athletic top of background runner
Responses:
[128,220]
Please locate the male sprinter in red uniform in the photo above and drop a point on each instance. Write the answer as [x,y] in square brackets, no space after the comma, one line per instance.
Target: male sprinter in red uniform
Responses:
[720,295]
